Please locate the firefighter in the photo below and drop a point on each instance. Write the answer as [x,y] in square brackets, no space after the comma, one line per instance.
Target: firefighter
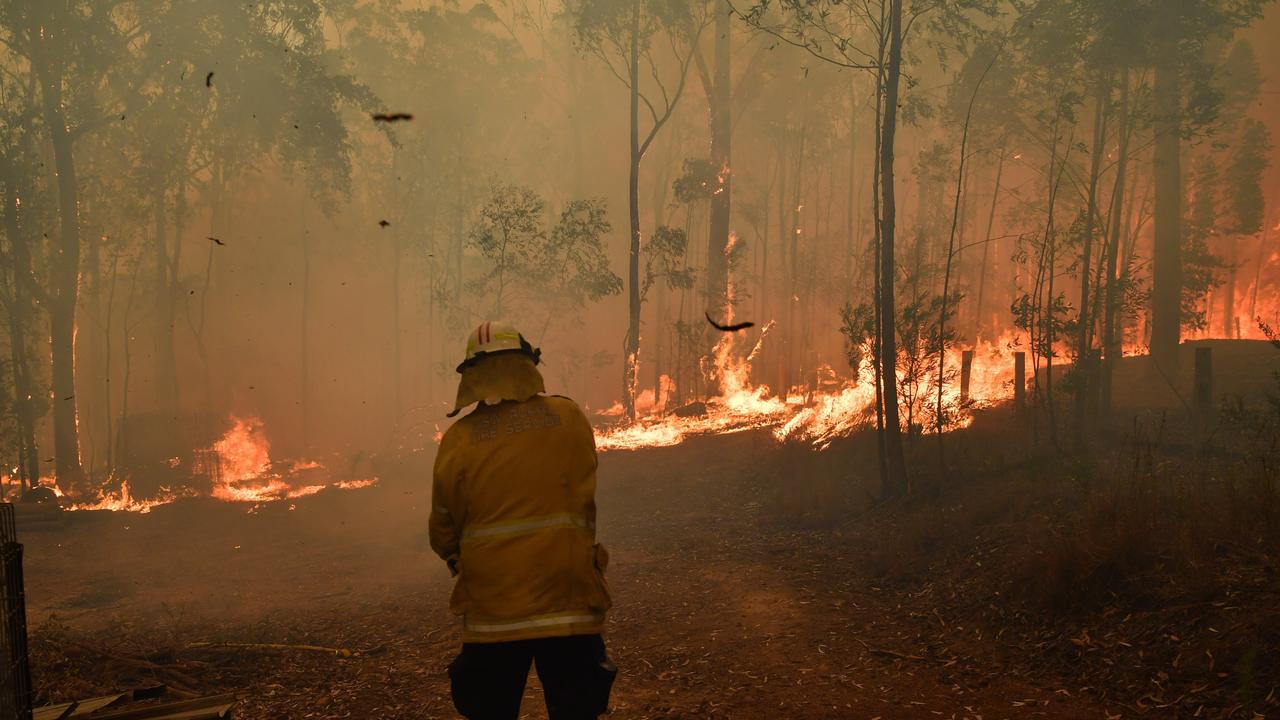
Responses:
[513,515]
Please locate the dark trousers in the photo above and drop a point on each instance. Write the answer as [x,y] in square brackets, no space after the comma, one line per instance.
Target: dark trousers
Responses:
[488,678]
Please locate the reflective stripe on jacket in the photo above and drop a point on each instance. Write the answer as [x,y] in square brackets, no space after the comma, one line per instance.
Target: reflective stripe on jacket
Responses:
[513,511]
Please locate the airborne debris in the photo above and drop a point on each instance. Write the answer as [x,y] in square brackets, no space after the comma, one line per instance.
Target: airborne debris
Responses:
[216,240]
[383,223]
[392,117]
[728,328]
[208,79]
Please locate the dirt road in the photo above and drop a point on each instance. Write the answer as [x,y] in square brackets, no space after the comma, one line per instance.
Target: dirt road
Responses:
[730,603]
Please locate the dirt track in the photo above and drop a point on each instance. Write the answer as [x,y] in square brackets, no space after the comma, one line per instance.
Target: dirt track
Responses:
[725,605]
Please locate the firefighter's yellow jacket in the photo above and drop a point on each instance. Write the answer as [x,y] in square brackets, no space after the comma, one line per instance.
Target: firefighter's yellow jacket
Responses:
[513,512]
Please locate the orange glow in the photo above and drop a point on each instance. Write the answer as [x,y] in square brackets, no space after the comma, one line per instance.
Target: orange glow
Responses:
[245,475]
[244,457]
[124,500]
[822,416]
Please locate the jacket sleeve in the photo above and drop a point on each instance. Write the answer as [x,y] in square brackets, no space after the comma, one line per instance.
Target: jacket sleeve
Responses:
[442,525]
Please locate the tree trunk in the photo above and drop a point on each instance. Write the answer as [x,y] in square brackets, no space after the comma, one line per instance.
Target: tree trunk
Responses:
[956,223]
[1112,347]
[1166,286]
[126,333]
[877,357]
[895,461]
[166,365]
[1257,270]
[1229,289]
[721,131]
[20,308]
[979,304]
[784,222]
[304,322]
[65,276]
[660,323]
[108,412]
[1084,338]
[631,344]
[792,249]
[851,199]
[397,386]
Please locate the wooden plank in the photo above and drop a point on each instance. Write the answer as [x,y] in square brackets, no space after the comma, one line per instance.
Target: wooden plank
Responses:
[81,708]
[206,708]
[218,712]
[95,704]
[54,712]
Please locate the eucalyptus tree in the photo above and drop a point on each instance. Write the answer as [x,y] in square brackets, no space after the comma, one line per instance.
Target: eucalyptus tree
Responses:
[717,86]
[871,36]
[634,38]
[67,51]
[1245,160]
[556,270]
[1177,35]
[23,399]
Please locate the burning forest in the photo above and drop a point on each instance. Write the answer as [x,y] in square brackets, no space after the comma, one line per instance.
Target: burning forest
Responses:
[716,359]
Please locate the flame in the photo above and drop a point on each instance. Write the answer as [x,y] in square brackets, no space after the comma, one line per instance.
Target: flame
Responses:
[244,474]
[123,500]
[244,457]
[819,417]
[738,406]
